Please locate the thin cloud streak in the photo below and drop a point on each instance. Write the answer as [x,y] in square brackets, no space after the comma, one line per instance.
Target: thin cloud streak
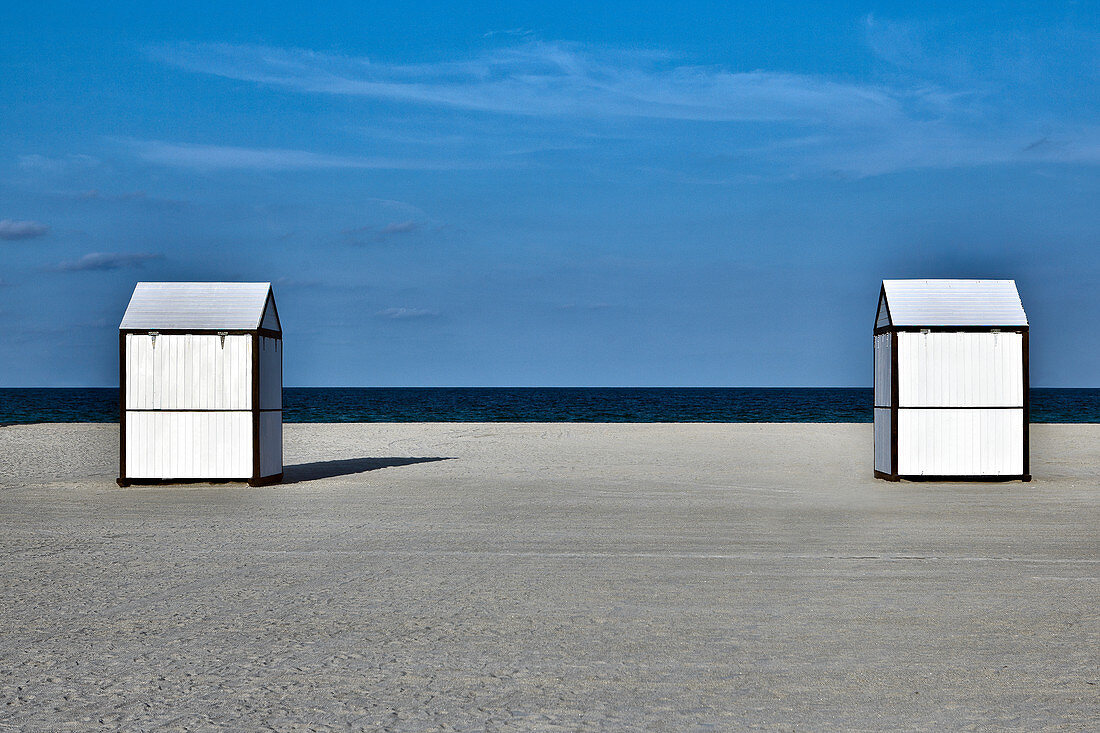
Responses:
[96,261]
[226,157]
[403,314]
[400,227]
[13,229]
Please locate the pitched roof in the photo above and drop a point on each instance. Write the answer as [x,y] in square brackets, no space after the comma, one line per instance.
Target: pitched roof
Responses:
[198,306]
[951,303]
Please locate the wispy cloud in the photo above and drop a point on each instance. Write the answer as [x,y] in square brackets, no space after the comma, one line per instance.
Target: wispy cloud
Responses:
[107,261]
[13,229]
[225,157]
[513,32]
[406,313]
[96,196]
[295,282]
[557,79]
[65,164]
[583,306]
[385,232]
[400,227]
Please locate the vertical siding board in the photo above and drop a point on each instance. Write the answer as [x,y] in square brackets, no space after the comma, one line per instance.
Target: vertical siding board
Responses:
[181,356]
[133,378]
[241,374]
[149,367]
[216,449]
[218,391]
[204,385]
[133,437]
[139,372]
[225,393]
[130,388]
[228,376]
[149,457]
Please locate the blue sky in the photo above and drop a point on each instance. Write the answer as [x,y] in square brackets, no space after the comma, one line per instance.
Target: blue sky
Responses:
[525,194]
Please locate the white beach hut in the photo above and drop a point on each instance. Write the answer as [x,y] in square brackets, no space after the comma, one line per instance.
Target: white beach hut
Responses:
[951,381]
[200,384]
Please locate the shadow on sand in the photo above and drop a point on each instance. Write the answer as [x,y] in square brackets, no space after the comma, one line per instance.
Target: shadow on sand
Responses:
[345,467]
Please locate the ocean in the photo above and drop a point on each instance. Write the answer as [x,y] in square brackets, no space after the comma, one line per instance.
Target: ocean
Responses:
[540,404]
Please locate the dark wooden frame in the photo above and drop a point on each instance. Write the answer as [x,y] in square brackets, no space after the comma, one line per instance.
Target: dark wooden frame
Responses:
[893,331]
[257,333]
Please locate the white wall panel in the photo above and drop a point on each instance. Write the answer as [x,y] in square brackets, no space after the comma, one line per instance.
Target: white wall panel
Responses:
[883,369]
[960,442]
[182,445]
[271,443]
[882,440]
[195,371]
[956,369]
[271,373]
[139,372]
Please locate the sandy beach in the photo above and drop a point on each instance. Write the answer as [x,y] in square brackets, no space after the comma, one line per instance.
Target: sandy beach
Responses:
[499,577]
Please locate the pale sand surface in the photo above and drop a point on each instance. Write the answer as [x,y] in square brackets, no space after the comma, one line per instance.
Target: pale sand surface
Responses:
[549,577]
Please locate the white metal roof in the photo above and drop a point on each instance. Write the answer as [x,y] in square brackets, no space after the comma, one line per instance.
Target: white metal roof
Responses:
[198,306]
[954,303]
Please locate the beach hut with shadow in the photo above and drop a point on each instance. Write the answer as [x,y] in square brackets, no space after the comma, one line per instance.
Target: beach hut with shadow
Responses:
[951,381]
[200,384]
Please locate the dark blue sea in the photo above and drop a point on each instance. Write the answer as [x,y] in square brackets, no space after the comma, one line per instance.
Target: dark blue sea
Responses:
[541,404]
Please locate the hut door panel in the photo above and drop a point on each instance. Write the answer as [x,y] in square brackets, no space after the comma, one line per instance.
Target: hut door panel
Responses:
[198,372]
[960,442]
[186,445]
[271,373]
[271,443]
[883,345]
[139,372]
[957,369]
[882,440]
